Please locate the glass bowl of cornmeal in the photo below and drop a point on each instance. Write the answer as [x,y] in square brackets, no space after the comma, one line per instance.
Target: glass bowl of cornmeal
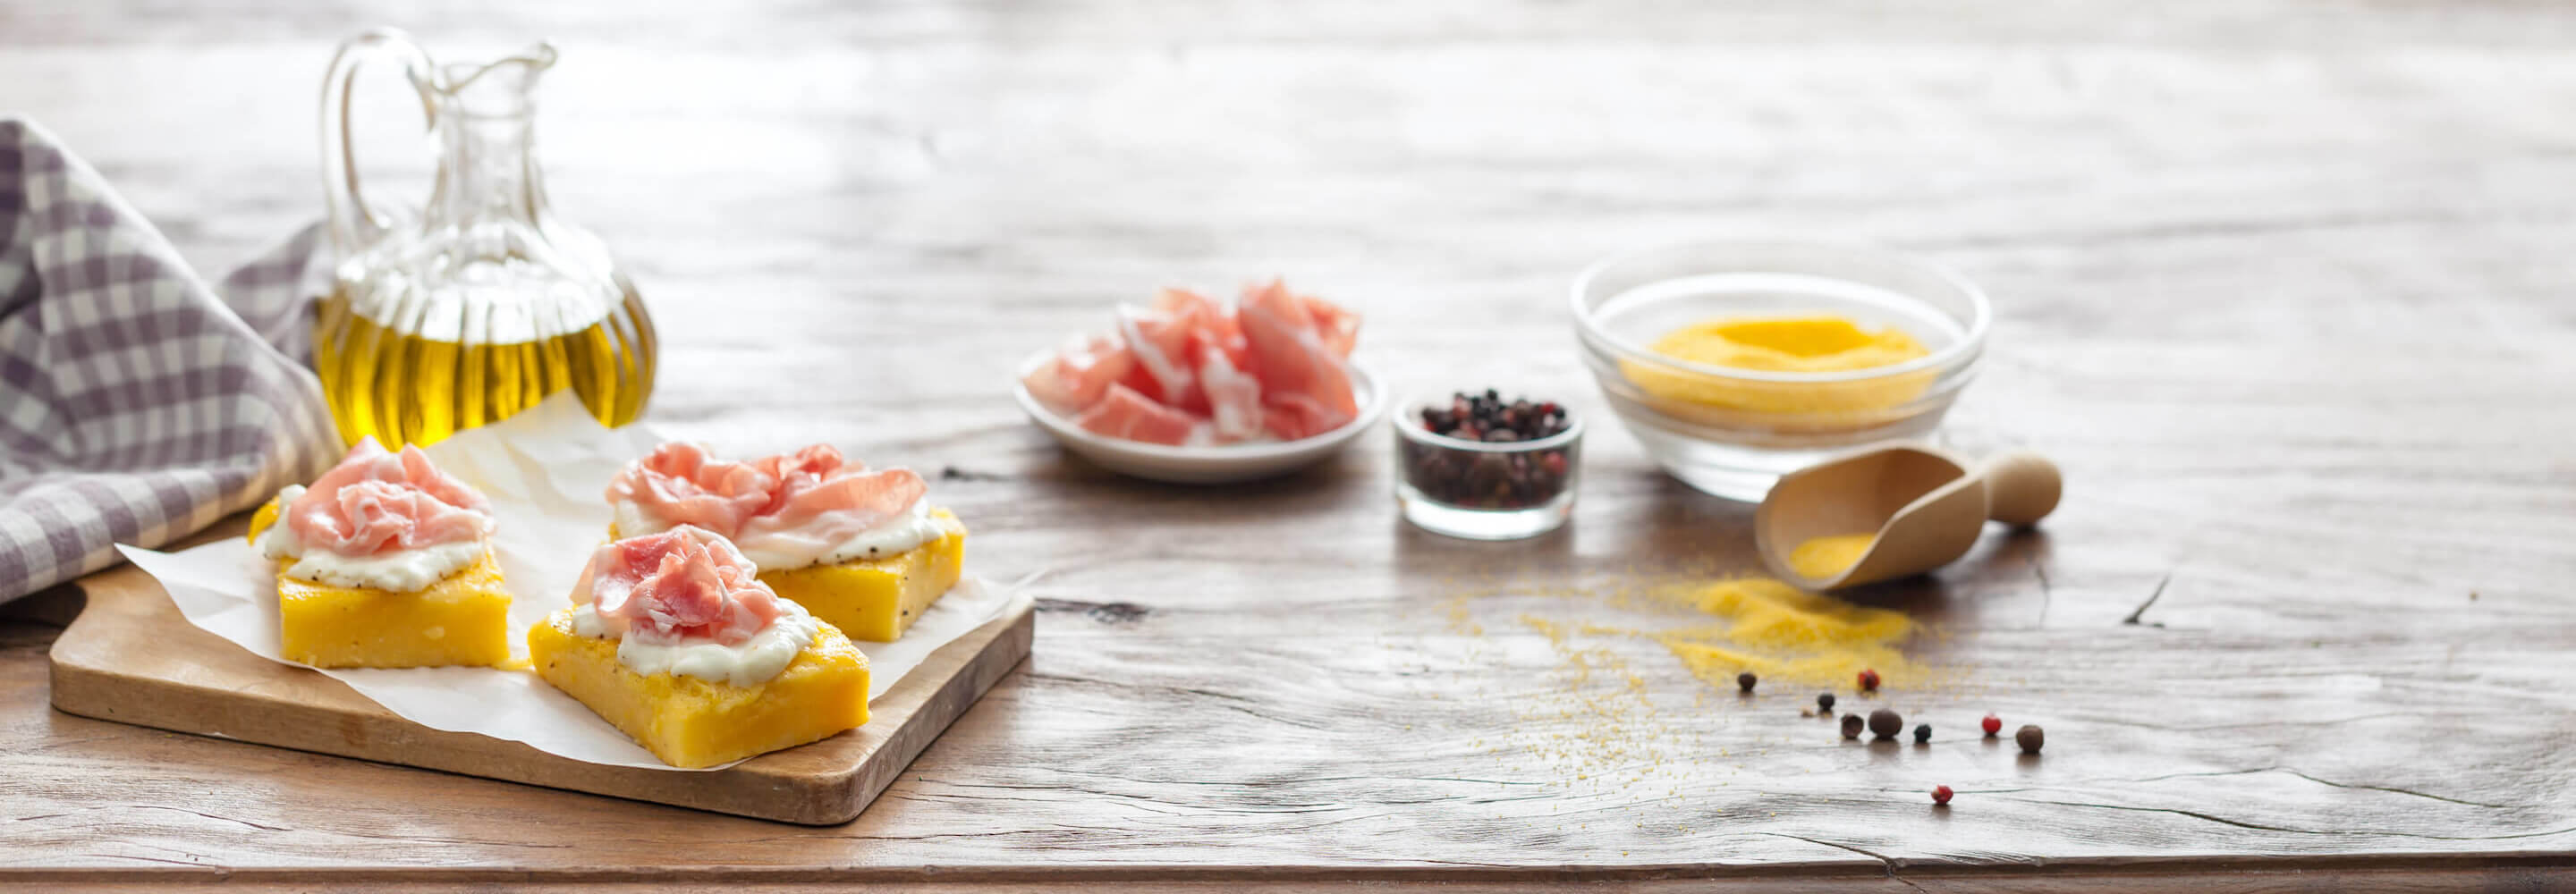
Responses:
[1735,363]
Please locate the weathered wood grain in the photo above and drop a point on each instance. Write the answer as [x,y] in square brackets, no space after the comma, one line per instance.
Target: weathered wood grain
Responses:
[2283,285]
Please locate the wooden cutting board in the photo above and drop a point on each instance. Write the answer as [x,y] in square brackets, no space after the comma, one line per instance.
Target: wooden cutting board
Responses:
[132,658]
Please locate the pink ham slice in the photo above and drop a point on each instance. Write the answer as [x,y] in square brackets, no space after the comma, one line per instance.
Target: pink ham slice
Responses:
[1304,382]
[1234,396]
[1125,413]
[686,583]
[788,503]
[1276,366]
[1079,373]
[1161,343]
[375,502]
[1337,328]
[682,484]
[836,503]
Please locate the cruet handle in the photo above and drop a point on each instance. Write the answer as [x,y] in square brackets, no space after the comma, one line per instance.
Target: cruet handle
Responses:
[354,225]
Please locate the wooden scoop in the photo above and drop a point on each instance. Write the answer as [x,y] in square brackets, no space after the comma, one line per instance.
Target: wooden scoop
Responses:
[1927,507]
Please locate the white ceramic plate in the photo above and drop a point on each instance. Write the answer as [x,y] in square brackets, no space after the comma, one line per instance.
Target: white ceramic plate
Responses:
[1202,465]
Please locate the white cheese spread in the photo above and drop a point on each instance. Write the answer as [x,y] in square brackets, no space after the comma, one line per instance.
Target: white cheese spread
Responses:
[757,659]
[400,571]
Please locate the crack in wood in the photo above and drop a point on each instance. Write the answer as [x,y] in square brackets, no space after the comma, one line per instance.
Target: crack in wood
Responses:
[1302,781]
[2335,721]
[2394,790]
[1884,862]
[1114,613]
[2047,597]
[259,826]
[217,870]
[2099,780]
[2133,617]
[1228,701]
[2353,833]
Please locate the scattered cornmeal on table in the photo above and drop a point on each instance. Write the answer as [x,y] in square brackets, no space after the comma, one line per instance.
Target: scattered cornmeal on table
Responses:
[1785,634]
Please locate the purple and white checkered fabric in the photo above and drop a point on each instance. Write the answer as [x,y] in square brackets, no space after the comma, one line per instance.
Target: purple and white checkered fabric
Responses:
[135,407]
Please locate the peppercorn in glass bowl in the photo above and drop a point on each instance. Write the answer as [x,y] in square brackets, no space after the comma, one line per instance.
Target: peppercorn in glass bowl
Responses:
[1736,363]
[1479,467]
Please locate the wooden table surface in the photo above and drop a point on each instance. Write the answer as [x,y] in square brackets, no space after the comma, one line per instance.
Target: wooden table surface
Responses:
[2285,286]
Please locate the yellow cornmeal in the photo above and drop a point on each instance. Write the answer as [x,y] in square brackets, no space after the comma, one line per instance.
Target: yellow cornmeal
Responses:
[1784,634]
[1788,344]
[1809,344]
[1617,724]
[1823,557]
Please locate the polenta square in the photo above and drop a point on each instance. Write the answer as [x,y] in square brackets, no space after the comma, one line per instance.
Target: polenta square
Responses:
[463,619]
[878,599]
[692,722]
[383,562]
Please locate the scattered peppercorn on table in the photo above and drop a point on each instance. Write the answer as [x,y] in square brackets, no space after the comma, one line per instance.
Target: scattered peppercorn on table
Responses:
[2304,609]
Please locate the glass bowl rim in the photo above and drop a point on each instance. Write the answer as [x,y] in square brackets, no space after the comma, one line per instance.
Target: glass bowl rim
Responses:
[1970,343]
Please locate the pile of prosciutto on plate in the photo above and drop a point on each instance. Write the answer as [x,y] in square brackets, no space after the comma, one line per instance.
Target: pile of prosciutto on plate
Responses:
[1191,371]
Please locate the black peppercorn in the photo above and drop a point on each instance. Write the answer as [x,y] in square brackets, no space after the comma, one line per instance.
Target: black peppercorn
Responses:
[1745,681]
[1851,726]
[1491,478]
[1885,723]
[1923,734]
[2030,738]
[1825,703]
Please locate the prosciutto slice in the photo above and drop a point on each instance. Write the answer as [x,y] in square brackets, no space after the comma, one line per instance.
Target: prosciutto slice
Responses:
[376,502]
[1298,358]
[790,504]
[1080,373]
[686,583]
[1160,338]
[1189,369]
[1126,414]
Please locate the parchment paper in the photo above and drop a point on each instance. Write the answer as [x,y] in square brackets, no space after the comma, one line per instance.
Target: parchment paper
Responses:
[545,471]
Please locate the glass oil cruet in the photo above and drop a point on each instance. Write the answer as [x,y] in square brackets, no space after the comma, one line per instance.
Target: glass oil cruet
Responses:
[486,302]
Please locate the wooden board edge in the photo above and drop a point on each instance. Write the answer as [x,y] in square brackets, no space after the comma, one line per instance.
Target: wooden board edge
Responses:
[2517,871]
[1006,651]
[81,687]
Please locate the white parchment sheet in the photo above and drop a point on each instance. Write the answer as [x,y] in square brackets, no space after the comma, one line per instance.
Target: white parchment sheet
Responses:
[545,471]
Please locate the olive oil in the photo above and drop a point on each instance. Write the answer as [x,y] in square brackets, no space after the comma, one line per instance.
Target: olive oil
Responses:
[484,304]
[415,381]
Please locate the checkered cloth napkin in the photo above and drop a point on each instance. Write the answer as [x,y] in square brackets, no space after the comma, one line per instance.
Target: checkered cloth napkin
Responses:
[136,407]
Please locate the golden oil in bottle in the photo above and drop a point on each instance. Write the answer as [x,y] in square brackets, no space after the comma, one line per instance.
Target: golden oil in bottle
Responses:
[486,303]
[415,369]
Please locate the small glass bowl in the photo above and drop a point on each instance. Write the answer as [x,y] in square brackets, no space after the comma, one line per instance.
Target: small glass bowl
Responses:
[1481,490]
[1733,432]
